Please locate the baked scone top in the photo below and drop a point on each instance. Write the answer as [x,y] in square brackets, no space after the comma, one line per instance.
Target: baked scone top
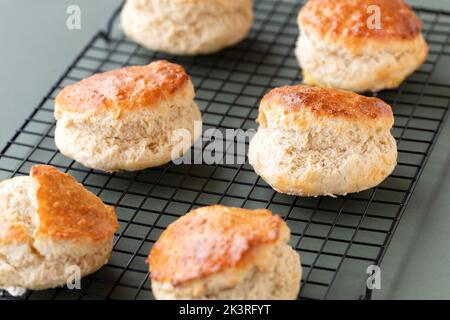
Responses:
[210,239]
[12,231]
[65,211]
[129,88]
[225,3]
[320,103]
[348,18]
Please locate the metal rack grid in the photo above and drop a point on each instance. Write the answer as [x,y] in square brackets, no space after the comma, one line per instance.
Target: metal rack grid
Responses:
[336,237]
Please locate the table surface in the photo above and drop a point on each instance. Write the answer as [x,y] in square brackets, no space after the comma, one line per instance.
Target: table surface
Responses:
[37,47]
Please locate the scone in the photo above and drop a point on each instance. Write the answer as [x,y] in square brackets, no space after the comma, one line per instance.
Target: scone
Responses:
[343,44]
[51,229]
[187,27]
[319,141]
[225,253]
[128,119]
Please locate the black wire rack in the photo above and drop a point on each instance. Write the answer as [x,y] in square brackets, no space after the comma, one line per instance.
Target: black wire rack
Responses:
[338,238]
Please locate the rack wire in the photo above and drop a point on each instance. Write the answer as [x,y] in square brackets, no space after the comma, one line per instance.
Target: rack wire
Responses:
[338,238]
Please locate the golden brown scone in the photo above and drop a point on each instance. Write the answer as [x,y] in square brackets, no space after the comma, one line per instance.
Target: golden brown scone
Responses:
[319,141]
[187,27]
[125,89]
[220,252]
[125,119]
[341,46]
[49,224]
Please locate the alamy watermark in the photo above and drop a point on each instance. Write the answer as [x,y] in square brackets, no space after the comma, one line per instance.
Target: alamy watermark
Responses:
[374,19]
[73,21]
[374,279]
[215,146]
[73,276]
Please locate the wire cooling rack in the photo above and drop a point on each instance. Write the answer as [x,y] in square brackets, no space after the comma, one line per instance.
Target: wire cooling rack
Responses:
[338,238]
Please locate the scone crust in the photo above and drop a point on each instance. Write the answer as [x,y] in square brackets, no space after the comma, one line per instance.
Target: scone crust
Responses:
[128,119]
[339,47]
[210,240]
[220,2]
[348,19]
[299,105]
[125,89]
[67,211]
[320,141]
[187,27]
[315,171]
[11,231]
[325,102]
[50,224]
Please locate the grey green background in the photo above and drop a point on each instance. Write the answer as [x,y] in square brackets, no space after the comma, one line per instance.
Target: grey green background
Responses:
[36,47]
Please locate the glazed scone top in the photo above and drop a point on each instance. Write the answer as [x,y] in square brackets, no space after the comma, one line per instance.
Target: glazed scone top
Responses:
[125,89]
[348,18]
[225,3]
[309,103]
[211,239]
[65,211]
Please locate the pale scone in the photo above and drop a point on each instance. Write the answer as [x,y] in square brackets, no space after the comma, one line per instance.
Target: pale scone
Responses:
[225,253]
[320,141]
[359,45]
[51,229]
[128,119]
[187,27]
